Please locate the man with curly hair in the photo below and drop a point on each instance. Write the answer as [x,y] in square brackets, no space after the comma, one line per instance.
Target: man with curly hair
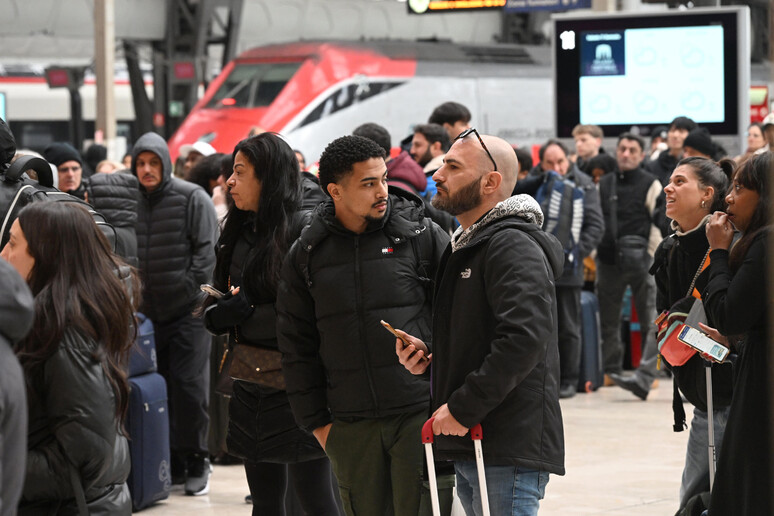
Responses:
[369,253]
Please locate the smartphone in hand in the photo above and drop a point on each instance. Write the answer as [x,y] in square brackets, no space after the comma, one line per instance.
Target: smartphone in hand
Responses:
[702,343]
[212,291]
[390,329]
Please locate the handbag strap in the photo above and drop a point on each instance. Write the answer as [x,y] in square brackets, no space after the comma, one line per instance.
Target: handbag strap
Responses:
[698,272]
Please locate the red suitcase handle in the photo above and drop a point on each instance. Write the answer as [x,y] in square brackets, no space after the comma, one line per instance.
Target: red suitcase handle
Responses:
[476,433]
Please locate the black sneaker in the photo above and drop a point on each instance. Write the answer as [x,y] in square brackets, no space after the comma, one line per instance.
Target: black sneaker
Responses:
[199,471]
[567,391]
[633,384]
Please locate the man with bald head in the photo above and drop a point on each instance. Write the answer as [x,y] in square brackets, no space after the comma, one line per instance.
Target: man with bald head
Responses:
[495,352]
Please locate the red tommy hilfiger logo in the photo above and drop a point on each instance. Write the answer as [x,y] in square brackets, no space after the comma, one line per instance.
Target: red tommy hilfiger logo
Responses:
[387,250]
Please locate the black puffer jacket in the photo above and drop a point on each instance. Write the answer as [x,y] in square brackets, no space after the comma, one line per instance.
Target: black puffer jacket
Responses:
[115,196]
[676,262]
[16,316]
[261,425]
[495,359]
[336,285]
[311,193]
[72,420]
[176,233]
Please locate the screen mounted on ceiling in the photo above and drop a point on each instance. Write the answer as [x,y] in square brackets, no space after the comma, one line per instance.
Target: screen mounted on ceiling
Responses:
[619,71]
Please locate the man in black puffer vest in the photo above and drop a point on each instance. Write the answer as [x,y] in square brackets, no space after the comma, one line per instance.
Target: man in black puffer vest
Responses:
[115,196]
[176,234]
[366,255]
[623,258]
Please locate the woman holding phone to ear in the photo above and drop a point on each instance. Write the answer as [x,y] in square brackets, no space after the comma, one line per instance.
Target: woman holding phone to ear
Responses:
[259,228]
[696,189]
[736,300]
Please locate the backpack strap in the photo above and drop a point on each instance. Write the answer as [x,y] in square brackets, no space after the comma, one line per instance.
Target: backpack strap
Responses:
[39,165]
[10,215]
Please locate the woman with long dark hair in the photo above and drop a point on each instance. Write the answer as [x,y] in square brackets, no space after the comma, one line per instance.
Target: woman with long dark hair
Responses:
[73,360]
[259,229]
[736,301]
[696,189]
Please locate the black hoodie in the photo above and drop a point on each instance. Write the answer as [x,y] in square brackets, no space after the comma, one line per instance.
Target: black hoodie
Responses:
[176,235]
[16,316]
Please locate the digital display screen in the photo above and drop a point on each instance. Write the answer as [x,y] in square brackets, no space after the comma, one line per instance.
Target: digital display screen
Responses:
[647,63]
[619,72]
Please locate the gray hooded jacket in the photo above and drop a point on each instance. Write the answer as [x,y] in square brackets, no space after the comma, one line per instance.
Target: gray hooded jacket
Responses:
[176,235]
[16,315]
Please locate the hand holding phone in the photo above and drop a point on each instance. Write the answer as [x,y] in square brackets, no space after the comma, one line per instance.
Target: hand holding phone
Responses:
[419,345]
[702,343]
[212,291]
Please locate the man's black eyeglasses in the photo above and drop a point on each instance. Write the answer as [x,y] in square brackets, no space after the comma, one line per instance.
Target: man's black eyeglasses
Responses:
[472,130]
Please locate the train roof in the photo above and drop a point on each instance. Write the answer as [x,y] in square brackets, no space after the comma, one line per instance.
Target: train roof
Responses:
[437,50]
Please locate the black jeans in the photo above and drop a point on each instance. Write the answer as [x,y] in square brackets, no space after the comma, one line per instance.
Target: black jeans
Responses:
[183,351]
[312,481]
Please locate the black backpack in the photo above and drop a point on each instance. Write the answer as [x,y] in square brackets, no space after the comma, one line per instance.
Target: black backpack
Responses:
[17,190]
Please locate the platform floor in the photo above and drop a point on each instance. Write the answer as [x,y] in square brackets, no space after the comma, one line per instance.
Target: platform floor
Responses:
[623,459]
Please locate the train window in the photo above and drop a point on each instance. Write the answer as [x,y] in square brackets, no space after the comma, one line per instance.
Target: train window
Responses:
[253,85]
[347,96]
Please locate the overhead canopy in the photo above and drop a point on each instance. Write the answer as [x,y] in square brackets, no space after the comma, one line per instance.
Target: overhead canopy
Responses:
[64,29]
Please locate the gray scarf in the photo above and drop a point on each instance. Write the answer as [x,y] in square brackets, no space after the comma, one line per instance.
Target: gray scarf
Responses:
[523,206]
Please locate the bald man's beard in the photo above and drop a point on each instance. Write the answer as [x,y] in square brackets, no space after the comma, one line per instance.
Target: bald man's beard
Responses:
[468,198]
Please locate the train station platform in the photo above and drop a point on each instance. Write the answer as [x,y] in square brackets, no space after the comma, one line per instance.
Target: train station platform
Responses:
[623,459]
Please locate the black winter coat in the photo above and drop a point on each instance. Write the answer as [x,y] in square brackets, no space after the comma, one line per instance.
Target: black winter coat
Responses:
[495,358]
[176,232]
[676,262]
[115,196]
[632,213]
[662,167]
[72,420]
[339,362]
[737,303]
[16,317]
[261,425]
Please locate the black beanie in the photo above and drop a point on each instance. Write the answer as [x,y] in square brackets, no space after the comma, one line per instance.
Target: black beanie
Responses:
[7,145]
[700,140]
[58,153]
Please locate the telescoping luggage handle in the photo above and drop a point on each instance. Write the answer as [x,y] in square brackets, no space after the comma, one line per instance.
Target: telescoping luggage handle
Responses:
[476,435]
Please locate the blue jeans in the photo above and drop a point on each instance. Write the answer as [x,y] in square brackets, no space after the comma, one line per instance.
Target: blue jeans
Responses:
[512,491]
[696,472]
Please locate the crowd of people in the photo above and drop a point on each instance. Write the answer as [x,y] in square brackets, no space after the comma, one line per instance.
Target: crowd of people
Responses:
[475,254]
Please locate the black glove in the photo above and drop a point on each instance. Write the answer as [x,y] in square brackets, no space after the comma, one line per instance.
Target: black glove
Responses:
[227,312]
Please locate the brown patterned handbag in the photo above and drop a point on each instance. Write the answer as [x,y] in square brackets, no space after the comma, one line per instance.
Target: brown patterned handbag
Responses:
[257,365]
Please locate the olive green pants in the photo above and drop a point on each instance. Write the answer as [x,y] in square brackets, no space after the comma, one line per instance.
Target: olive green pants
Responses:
[379,465]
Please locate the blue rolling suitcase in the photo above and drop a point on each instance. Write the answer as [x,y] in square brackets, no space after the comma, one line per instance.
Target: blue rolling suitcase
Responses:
[142,358]
[148,425]
[591,373]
